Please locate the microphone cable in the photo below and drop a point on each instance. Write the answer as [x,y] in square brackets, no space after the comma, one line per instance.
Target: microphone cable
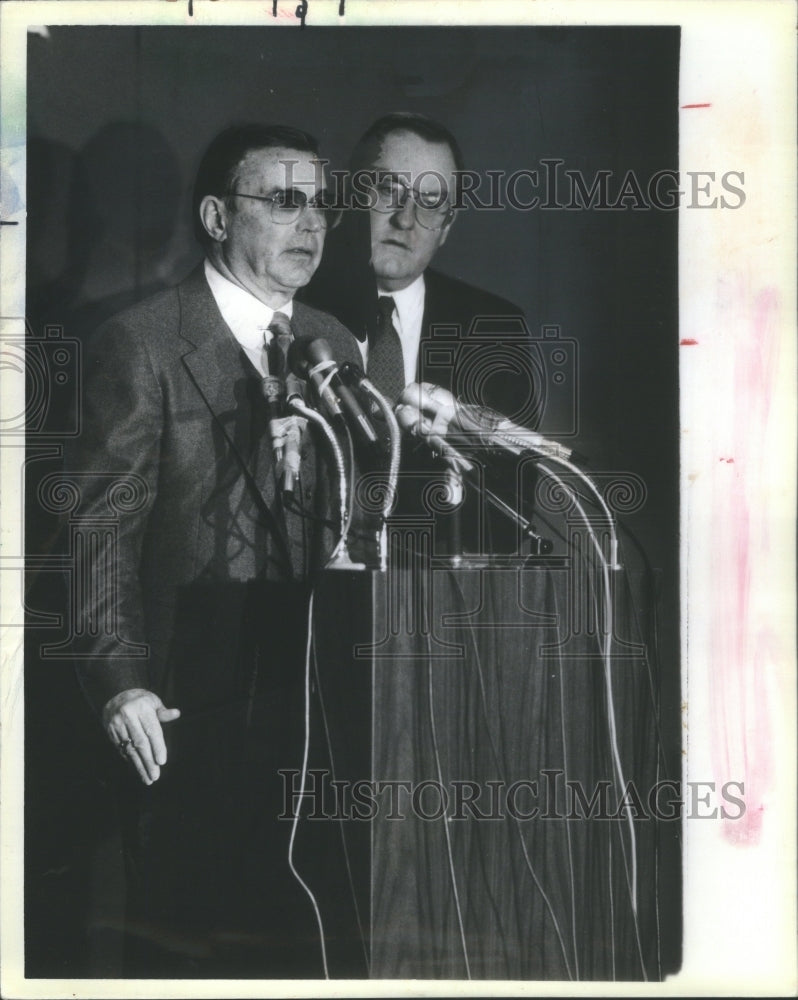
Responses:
[605,646]
[297,812]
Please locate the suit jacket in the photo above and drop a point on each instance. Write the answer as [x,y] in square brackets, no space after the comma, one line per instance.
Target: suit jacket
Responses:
[476,345]
[461,329]
[186,547]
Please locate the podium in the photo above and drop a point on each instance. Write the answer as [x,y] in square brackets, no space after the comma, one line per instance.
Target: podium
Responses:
[473,754]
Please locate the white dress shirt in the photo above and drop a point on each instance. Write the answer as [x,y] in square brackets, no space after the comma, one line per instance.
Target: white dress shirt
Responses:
[407,317]
[247,317]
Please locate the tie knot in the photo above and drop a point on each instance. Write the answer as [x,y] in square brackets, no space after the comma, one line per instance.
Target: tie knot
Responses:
[280,325]
[385,307]
[278,340]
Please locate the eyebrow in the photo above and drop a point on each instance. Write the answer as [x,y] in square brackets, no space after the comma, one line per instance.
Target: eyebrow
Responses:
[276,189]
[392,175]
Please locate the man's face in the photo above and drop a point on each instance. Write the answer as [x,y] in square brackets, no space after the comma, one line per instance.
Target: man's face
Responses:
[270,258]
[401,248]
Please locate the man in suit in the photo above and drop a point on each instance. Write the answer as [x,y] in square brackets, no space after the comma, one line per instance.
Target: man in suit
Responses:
[405,169]
[414,323]
[194,618]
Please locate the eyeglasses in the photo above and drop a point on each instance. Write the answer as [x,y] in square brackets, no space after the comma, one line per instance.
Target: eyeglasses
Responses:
[431,208]
[286,206]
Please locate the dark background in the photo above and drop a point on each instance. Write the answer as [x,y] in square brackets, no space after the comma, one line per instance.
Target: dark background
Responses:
[117,121]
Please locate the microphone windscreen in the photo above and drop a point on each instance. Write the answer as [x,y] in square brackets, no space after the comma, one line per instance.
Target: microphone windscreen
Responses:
[317,351]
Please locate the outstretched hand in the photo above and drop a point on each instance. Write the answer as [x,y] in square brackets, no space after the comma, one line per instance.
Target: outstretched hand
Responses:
[132,720]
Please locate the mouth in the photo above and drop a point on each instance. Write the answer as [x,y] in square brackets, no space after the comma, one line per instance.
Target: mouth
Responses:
[305,253]
[395,243]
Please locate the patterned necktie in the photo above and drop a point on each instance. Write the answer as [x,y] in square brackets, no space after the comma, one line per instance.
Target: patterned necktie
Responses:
[386,366]
[277,349]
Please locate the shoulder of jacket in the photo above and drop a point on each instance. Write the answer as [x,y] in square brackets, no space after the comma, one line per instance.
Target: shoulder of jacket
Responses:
[314,322]
[438,283]
[151,314]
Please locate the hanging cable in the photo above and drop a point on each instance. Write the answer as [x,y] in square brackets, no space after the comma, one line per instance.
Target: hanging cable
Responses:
[304,773]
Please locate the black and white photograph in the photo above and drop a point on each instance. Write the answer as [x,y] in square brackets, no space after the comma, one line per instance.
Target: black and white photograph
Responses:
[400,437]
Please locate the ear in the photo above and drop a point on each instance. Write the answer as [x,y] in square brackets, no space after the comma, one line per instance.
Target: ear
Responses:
[213,215]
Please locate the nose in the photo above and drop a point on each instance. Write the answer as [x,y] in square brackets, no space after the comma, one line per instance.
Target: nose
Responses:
[405,217]
[311,219]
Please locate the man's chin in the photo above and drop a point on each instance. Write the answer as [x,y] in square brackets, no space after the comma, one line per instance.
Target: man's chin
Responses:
[300,273]
[391,270]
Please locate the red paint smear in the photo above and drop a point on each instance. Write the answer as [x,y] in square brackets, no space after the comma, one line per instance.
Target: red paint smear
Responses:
[688,342]
[696,105]
[743,649]
[728,461]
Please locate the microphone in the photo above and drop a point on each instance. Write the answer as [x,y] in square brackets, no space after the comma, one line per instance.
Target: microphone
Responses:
[285,431]
[319,357]
[294,389]
[273,389]
[412,420]
[489,427]
[300,366]
[294,400]
[353,374]
[292,456]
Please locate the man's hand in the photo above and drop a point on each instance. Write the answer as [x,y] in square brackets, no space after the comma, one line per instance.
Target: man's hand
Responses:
[133,720]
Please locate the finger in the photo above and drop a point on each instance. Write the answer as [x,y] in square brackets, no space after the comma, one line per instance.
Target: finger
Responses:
[118,735]
[144,748]
[123,746]
[135,759]
[154,734]
[168,714]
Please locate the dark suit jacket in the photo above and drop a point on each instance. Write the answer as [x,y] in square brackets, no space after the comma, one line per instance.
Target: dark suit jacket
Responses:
[473,343]
[178,512]
[462,329]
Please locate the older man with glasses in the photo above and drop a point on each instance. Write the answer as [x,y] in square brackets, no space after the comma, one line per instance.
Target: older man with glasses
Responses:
[403,171]
[414,323]
[194,614]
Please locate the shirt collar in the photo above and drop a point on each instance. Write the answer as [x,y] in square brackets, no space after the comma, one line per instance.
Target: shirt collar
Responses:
[408,300]
[247,317]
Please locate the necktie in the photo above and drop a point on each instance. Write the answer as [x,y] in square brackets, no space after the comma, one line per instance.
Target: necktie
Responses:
[277,349]
[386,366]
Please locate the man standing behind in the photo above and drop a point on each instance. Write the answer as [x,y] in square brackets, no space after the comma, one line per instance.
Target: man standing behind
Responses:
[413,323]
[193,619]
[404,168]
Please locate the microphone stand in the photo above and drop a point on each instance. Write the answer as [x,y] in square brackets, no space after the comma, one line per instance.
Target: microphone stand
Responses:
[393,468]
[340,558]
[456,488]
[542,546]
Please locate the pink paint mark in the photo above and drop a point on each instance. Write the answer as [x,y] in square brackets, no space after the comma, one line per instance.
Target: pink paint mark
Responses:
[688,342]
[707,105]
[744,648]
[728,461]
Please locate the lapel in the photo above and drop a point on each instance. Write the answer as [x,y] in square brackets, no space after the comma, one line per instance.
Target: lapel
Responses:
[436,311]
[222,374]
[225,380]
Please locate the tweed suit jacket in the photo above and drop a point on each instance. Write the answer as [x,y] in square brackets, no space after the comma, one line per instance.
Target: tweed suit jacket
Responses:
[173,421]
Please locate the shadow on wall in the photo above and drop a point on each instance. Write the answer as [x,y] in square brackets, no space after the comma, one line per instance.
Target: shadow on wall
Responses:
[101,224]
